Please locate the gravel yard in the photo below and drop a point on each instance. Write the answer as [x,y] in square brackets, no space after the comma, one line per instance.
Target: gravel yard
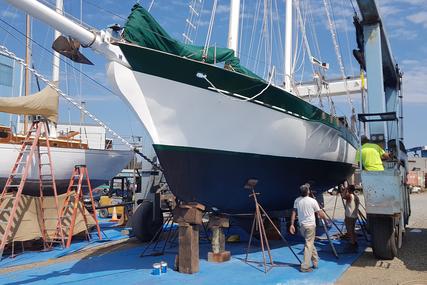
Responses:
[411,265]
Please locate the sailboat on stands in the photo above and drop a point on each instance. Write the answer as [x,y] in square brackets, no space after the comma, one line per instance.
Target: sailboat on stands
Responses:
[213,127]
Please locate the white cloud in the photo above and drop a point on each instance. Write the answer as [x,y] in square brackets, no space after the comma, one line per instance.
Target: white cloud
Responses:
[9,14]
[414,81]
[222,9]
[389,10]
[419,18]
[403,34]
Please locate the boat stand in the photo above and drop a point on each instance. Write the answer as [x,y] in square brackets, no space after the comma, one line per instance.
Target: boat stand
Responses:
[258,223]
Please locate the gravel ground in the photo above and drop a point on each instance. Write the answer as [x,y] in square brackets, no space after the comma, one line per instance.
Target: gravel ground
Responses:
[411,265]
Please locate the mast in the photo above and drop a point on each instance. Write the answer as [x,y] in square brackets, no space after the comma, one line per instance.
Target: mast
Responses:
[27,61]
[288,45]
[233,28]
[56,57]
[59,7]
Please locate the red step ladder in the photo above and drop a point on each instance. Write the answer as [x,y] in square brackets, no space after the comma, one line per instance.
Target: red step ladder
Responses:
[74,201]
[30,149]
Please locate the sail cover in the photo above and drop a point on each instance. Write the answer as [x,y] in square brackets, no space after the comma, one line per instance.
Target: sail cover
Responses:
[44,103]
[142,29]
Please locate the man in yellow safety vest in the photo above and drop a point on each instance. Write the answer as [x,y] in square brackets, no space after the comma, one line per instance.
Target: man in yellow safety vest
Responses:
[372,155]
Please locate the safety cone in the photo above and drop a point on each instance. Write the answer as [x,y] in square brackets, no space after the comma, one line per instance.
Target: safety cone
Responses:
[114,217]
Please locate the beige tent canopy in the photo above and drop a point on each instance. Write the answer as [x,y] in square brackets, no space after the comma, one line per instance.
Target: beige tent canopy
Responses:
[27,222]
[43,103]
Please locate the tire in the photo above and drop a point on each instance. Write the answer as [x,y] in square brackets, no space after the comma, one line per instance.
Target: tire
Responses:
[143,225]
[383,232]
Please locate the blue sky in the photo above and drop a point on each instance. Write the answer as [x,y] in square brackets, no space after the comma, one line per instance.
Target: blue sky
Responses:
[404,20]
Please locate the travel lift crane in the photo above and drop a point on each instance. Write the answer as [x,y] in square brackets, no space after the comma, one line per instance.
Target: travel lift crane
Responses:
[386,193]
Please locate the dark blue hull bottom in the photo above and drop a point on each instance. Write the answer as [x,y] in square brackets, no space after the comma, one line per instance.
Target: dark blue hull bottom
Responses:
[216,178]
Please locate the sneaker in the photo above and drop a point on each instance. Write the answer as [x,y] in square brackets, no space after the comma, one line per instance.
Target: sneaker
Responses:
[306,269]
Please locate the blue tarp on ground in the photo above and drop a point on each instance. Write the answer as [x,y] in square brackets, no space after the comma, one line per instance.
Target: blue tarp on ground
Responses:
[109,231]
[126,267]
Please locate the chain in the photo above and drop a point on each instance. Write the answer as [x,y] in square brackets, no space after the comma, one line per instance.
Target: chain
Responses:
[6,52]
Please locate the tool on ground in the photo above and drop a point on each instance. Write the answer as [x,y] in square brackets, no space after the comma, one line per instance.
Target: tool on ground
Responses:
[74,201]
[258,223]
[37,136]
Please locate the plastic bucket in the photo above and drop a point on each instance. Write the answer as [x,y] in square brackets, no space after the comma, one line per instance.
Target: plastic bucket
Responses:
[164,267]
[157,269]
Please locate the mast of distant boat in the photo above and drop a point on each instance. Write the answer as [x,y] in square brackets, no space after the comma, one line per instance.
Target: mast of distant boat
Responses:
[59,6]
[27,61]
[56,56]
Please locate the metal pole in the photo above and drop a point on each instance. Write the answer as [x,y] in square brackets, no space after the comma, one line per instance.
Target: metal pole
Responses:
[288,45]
[27,61]
[56,57]
[233,28]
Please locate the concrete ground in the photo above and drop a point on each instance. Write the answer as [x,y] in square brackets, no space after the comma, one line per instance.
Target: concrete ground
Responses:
[410,267]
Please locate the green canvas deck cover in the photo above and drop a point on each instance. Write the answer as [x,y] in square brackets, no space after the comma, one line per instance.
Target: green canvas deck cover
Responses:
[142,29]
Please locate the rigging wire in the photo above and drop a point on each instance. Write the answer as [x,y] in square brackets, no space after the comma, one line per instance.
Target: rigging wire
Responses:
[352,5]
[349,51]
[6,52]
[151,5]
[332,29]
[61,59]
[241,26]
[279,43]
[209,34]
[199,19]
[105,10]
[252,39]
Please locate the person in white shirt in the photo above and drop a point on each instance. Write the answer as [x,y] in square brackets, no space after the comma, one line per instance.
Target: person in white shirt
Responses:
[306,208]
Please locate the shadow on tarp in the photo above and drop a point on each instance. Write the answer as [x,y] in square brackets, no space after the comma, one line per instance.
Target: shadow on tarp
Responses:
[125,266]
[109,232]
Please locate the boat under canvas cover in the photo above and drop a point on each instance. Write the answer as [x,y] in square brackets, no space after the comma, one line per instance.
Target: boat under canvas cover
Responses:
[142,29]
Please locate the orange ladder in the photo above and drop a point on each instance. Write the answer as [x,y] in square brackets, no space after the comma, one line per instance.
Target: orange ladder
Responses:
[74,201]
[20,170]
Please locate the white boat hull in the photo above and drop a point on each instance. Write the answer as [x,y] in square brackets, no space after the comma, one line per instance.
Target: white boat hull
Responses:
[178,114]
[102,165]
